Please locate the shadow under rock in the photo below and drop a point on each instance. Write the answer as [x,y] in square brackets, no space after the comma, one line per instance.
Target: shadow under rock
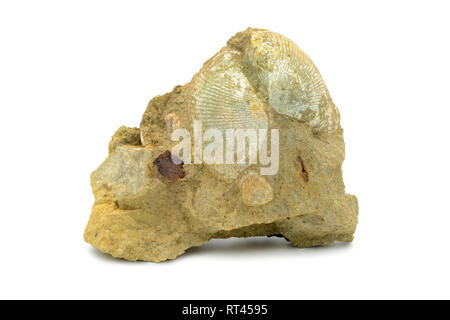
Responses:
[255,246]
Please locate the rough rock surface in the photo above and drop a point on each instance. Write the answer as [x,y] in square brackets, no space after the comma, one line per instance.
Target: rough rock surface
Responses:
[149,208]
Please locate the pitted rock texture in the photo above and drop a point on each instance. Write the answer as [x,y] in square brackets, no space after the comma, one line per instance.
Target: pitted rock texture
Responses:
[149,208]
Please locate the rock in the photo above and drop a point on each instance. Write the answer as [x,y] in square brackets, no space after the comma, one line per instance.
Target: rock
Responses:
[124,136]
[152,204]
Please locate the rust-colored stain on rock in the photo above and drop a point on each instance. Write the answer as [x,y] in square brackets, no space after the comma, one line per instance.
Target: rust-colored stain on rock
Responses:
[303,173]
[167,168]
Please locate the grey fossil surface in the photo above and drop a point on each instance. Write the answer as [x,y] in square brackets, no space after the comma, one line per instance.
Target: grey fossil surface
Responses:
[148,207]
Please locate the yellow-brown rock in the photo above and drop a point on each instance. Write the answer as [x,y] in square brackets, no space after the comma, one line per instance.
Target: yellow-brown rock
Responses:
[149,208]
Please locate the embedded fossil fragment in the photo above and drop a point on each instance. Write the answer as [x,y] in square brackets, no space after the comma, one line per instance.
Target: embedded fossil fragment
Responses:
[172,122]
[255,190]
[152,206]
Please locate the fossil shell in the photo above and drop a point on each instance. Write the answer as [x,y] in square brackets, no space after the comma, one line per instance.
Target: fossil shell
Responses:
[288,77]
[259,65]
[224,97]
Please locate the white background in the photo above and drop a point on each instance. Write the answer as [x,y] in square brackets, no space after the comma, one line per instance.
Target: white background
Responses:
[72,72]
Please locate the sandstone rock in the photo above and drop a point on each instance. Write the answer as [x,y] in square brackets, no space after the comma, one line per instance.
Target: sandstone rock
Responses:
[151,207]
